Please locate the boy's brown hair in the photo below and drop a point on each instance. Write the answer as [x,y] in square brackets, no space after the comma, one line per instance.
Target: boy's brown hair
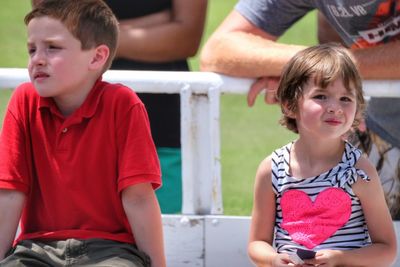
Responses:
[90,21]
[324,64]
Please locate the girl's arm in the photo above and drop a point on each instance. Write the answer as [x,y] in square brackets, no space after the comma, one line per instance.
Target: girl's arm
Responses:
[11,204]
[382,251]
[162,41]
[260,247]
[143,212]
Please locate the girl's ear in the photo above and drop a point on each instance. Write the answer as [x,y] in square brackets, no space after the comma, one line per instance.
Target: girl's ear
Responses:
[100,56]
[288,112]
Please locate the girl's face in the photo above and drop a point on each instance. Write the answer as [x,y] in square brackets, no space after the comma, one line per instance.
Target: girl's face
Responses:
[326,113]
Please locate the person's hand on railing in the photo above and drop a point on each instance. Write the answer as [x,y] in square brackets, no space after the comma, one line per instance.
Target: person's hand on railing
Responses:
[269,84]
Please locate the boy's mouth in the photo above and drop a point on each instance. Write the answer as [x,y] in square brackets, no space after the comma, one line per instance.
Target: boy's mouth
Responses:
[40,75]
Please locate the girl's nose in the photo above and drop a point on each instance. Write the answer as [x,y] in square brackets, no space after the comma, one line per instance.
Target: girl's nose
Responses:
[334,108]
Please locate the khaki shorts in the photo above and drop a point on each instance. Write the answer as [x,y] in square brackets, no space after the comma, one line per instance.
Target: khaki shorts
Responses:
[73,252]
[386,159]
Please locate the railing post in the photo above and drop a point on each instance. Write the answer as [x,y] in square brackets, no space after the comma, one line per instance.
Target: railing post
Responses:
[187,143]
[200,140]
[215,144]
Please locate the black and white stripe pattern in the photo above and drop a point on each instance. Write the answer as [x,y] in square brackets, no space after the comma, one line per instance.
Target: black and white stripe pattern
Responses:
[354,234]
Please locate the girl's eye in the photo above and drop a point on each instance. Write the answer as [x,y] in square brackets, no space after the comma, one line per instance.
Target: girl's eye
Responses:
[321,97]
[346,99]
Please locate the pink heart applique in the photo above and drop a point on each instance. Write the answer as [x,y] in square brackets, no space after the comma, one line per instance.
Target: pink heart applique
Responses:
[311,223]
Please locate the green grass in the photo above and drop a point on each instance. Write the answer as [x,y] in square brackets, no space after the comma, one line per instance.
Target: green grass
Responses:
[13,41]
[247,134]
[13,34]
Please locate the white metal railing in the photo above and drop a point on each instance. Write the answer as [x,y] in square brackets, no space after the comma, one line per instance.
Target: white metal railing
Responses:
[200,236]
[200,136]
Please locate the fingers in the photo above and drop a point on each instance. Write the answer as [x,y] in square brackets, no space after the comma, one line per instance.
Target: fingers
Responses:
[259,85]
[272,87]
[269,84]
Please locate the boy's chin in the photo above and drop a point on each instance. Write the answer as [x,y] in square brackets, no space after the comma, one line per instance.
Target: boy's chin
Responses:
[43,92]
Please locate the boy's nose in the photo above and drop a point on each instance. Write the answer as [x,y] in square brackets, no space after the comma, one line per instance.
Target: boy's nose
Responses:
[38,59]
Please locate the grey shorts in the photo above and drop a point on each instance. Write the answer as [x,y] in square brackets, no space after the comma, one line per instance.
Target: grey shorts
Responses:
[73,252]
[386,159]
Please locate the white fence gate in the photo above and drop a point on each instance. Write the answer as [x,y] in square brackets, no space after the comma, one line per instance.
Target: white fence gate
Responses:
[201,235]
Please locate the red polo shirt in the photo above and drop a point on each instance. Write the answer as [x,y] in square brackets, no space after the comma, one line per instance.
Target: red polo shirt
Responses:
[73,169]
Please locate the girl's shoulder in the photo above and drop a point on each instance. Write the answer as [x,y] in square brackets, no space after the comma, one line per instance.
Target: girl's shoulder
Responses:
[365,165]
[280,154]
[351,153]
[264,168]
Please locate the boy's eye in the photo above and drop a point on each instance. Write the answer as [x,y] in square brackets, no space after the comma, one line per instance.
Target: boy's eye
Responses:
[31,50]
[53,47]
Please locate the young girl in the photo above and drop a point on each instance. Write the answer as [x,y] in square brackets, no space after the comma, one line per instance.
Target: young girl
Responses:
[318,192]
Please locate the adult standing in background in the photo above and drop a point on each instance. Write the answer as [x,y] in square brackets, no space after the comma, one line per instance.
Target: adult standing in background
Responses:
[245,45]
[161,35]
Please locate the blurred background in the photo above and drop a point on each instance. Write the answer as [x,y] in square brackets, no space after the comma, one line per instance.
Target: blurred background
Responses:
[248,135]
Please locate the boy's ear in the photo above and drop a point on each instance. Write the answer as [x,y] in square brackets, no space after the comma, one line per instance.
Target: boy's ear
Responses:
[100,56]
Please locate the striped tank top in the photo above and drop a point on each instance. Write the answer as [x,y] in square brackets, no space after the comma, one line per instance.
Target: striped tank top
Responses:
[320,212]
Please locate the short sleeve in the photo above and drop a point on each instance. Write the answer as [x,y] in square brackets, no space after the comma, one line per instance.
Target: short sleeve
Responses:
[274,16]
[14,150]
[138,160]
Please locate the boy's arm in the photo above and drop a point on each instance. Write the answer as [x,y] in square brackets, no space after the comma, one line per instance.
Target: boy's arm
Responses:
[11,204]
[143,212]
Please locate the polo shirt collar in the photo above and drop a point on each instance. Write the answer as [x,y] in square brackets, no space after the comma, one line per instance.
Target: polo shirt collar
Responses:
[86,110]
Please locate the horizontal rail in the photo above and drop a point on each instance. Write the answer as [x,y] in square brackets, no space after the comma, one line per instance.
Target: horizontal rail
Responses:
[172,81]
[150,81]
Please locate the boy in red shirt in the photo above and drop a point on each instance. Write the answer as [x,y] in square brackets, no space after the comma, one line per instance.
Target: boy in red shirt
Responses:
[78,165]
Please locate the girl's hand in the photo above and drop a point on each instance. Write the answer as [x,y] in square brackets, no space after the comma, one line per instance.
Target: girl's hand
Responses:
[282,260]
[324,258]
